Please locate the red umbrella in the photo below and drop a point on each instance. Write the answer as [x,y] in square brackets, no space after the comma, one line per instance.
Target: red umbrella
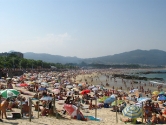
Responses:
[85,91]
[22,85]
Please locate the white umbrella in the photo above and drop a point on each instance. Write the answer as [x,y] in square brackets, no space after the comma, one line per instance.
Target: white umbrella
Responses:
[44,84]
[56,84]
[69,86]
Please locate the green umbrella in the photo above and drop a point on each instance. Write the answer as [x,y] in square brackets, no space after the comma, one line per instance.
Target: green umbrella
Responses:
[8,93]
[162,92]
[118,102]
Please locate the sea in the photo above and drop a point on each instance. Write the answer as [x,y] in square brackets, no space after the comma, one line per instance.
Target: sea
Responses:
[162,73]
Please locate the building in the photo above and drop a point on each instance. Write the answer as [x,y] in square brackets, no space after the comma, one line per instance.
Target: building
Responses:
[19,54]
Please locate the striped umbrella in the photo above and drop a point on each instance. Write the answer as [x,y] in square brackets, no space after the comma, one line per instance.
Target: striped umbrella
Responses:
[9,93]
[132,111]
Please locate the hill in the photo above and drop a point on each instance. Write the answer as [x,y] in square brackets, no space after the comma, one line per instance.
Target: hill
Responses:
[51,58]
[144,57]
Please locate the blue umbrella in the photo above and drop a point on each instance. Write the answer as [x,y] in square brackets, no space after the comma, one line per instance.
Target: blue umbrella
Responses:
[162,98]
[46,98]
[42,89]
[109,100]
[143,99]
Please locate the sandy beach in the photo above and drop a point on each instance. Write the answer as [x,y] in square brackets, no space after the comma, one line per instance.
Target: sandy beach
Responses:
[106,116]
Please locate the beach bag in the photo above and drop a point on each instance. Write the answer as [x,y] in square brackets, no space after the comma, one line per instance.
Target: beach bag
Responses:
[106,105]
[16,115]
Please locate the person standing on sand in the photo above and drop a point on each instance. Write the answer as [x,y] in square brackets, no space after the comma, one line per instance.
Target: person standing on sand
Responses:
[3,107]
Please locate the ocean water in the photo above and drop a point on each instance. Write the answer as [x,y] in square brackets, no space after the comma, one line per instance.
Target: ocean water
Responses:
[151,75]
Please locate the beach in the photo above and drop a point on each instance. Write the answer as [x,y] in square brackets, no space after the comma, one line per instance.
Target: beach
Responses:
[90,77]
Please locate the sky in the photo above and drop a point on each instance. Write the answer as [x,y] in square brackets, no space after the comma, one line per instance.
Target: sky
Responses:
[82,28]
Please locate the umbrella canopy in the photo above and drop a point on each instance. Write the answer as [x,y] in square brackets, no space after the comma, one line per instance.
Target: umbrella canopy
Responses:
[85,91]
[109,100]
[102,99]
[162,93]
[46,98]
[44,84]
[155,92]
[143,99]
[113,96]
[57,84]
[95,89]
[162,98]
[132,111]
[22,85]
[118,102]
[69,86]
[8,93]
[42,89]
[56,91]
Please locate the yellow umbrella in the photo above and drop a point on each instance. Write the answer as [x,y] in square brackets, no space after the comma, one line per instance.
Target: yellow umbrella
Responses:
[155,92]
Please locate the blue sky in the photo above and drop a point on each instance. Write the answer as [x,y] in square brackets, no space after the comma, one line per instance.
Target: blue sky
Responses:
[82,28]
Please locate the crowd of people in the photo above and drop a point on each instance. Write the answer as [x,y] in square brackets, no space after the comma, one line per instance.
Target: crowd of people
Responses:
[70,91]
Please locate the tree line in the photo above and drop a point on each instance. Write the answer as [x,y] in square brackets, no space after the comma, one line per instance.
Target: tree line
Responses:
[13,61]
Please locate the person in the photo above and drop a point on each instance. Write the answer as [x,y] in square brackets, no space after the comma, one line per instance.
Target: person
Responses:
[161,118]
[133,121]
[25,108]
[44,111]
[154,118]
[36,106]
[146,109]
[3,106]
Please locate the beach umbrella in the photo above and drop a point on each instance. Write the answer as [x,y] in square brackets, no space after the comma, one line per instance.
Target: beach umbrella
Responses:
[8,93]
[134,90]
[143,99]
[75,89]
[162,93]
[46,98]
[118,102]
[162,98]
[85,91]
[109,100]
[155,92]
[95,89]
[56,84]
[56,91]
[139,104]
[113,96]
[44,84]
[132,111]
[102,99]
[71,109]
[80,84]
[22,85]
[69,86]
[42,89]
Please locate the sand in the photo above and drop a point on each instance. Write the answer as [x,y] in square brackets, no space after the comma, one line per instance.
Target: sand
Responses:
[105,114]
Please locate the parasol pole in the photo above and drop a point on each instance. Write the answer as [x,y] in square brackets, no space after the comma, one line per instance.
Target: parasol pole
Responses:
[116,110]
[142,112]
[0,103]
[38,105]
[30,109]
[95,107]
[21,107]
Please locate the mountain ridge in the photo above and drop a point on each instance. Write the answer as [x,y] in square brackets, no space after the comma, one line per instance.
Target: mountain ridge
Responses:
[144,57]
